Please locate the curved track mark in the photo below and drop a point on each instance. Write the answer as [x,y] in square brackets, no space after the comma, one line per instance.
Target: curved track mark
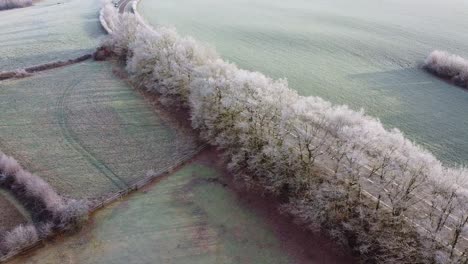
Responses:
[75,144]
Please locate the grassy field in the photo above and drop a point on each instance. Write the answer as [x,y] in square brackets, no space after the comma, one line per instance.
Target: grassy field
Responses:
[85,131]
[187,217]
[12,214]
[48,31]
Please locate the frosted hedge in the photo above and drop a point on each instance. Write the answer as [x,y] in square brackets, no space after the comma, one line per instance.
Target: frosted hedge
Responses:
[50,211]
[450,66]
[339,171]
[9,4]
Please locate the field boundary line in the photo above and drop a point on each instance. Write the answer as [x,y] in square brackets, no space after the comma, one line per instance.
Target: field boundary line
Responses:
[134,186]
[29,71]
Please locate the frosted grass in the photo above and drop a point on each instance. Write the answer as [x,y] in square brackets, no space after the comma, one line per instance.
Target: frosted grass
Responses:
[84,131]
[48,31]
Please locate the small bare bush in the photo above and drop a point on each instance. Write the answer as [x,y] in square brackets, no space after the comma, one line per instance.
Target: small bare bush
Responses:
[8,165]
[449,66]
[72,215]
[18,238]
[37,189]
[44,230]
[51,211]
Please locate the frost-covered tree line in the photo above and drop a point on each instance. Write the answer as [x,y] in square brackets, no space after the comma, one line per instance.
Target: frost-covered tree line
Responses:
[337,170]
[50,212]
[9,4]
[450,66]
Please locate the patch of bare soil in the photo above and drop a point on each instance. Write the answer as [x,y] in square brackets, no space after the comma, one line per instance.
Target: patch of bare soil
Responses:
[10,217]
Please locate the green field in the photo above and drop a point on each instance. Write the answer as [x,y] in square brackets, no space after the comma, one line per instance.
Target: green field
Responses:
[187,217]
[85,131]
[49,30]
[365,54]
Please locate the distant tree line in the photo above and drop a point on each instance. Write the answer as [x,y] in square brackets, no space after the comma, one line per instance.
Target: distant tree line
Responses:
[9,4]
[338,171]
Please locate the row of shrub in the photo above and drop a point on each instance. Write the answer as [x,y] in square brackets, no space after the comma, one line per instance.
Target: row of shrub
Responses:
[50,212]
[10,4]
[337,170]
[449,66]
[28,71]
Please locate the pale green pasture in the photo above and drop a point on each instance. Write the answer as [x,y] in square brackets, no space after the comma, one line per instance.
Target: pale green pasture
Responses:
[184,218]
[85,131]
[47,31]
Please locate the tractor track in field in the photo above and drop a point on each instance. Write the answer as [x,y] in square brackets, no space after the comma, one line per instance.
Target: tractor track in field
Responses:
[73,142]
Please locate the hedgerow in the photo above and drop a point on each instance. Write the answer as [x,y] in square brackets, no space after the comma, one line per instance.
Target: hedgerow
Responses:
[339,171]
[9,4]
[50,211]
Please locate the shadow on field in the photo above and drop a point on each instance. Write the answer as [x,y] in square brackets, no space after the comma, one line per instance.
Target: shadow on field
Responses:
[423,105]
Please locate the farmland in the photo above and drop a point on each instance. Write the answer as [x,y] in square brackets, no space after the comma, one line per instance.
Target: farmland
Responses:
[89,134]
[48,31]
[117,141]
[12,213]
[85,131]
[191,216]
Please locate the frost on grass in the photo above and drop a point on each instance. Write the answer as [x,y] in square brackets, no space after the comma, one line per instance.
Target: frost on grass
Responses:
[50,211]
[320,157]
[449,66]
[9,4]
